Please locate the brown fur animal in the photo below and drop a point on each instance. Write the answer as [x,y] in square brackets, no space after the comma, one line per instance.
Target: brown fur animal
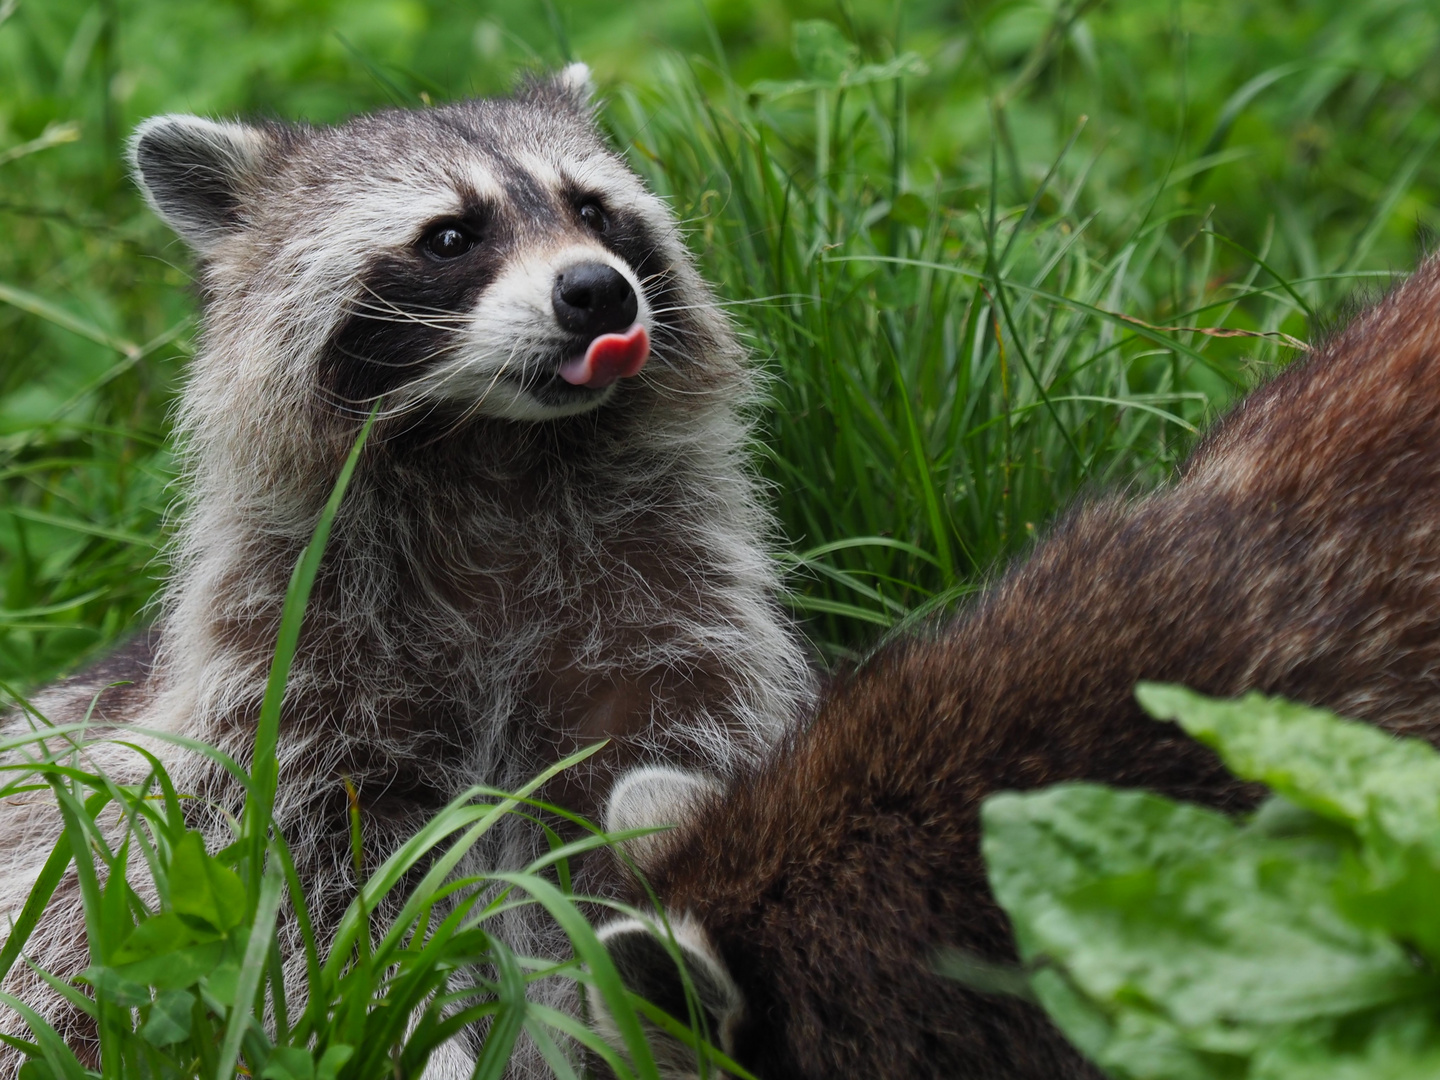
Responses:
[1298,553]
[543,544]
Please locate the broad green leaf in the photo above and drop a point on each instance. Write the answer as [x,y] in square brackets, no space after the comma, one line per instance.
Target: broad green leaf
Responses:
[289,1063]
[1353,772]
[1085,832]
[1395,889]
[1182,942]
[203,888]
[332,1060]
[296,1063]
[222,981]
[160,935]
[115,989]
[1385,788]
[1398,1043]
[175,970]
[1084,1023]
[170,1018]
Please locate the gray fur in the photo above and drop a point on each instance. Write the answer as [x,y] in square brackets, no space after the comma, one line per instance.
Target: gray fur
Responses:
[508,578]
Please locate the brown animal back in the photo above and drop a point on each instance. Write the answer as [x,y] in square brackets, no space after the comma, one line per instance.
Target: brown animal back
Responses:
[1298,554]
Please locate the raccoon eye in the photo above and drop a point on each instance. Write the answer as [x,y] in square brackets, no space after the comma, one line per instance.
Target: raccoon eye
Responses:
[593,218]
[448,242]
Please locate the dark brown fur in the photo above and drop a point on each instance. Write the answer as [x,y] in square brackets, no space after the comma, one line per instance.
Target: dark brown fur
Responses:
[1299,553]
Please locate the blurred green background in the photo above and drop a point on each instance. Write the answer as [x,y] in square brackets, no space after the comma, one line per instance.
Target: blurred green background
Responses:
[984,248]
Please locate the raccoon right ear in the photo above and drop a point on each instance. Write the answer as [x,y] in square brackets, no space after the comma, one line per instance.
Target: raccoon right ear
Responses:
[575,82]
[644,957]
[195,173]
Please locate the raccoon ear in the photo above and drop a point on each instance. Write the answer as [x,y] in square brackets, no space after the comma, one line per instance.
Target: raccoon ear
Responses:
[643,956]
[656,795]
[574,81]
[195,173]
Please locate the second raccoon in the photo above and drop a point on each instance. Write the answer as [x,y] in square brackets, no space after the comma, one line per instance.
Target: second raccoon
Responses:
[1298,553]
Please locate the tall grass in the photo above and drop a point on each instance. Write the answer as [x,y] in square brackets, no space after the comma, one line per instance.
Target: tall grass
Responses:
[945,375]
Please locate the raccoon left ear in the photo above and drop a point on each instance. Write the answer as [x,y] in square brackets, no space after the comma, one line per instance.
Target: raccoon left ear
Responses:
[196,173]
[574,81]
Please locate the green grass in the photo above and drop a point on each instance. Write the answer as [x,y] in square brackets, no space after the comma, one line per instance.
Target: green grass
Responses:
[956,356]
[182,987]
[990,256]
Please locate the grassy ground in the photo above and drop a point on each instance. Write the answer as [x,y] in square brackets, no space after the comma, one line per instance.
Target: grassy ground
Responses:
[959,238]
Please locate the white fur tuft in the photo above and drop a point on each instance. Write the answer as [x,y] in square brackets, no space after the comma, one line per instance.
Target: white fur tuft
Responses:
[654,796]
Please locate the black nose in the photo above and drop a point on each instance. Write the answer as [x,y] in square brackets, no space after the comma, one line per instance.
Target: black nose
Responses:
[593,299]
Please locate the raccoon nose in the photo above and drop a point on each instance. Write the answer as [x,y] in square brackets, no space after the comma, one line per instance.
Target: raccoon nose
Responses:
[593,299]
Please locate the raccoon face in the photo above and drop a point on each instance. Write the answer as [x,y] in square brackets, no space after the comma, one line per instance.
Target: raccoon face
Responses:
[491,257]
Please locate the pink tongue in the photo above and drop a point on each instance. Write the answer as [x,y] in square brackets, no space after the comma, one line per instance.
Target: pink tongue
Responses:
[609,357]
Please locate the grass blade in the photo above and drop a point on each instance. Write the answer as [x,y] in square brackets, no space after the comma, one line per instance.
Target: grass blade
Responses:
[252,969]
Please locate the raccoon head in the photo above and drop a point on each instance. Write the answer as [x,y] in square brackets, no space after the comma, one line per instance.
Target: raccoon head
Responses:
[672,963]
[484,258]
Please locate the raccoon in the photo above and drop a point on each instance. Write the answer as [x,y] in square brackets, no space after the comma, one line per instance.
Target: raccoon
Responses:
[1297,553]
[552,537]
